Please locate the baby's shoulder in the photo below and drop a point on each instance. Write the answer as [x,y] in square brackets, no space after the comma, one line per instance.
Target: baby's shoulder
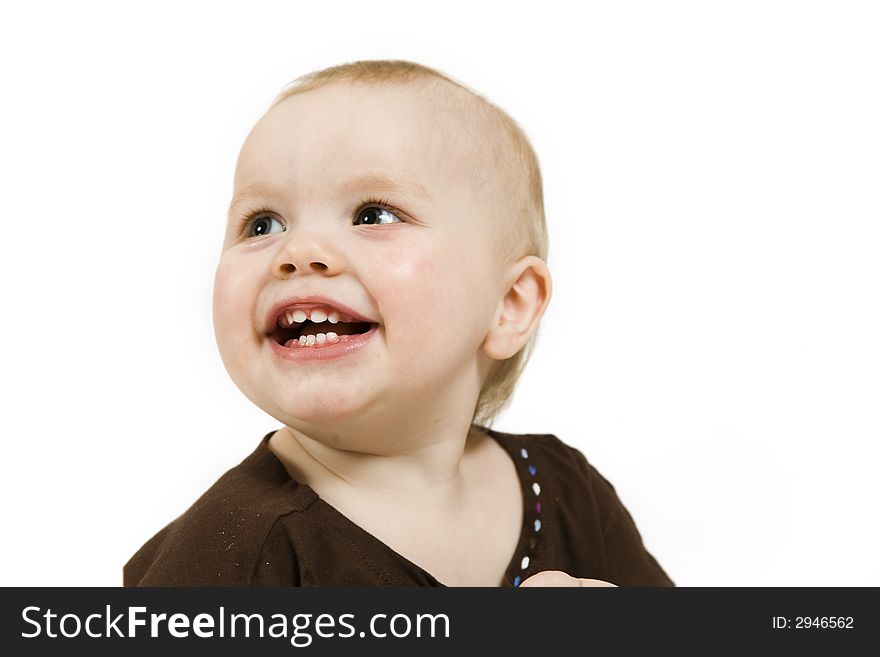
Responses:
[218,539]
[546,448]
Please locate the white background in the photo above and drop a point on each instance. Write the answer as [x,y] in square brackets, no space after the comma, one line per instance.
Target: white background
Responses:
[711,183]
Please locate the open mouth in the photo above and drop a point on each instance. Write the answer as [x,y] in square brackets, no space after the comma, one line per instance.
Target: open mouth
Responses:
[309,333]
[316,327]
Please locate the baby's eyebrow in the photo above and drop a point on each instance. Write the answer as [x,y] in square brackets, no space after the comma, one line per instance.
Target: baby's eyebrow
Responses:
[365,182]
[246,192]
[382,183]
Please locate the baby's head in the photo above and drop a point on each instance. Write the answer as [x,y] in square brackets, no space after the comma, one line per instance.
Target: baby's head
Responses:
[406,200]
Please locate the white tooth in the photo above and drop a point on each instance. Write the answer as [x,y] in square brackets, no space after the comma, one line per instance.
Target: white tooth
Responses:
[302,340]
[321,338]
[310,340]
[290,318]
[299,316]
[333,317]
[318,316]
[332,337]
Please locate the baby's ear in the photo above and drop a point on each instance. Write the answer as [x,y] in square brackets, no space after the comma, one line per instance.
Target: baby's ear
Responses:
[520,309]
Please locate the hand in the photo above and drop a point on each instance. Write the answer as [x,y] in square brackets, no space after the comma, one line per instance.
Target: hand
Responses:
[559,578]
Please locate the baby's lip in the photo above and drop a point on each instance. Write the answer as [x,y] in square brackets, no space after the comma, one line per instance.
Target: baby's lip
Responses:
[310,301]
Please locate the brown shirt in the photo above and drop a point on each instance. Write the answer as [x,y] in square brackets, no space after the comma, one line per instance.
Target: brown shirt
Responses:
[256,526]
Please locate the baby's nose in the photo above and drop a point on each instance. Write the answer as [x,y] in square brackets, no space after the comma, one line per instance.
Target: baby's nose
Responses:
[307,253]
[288,268]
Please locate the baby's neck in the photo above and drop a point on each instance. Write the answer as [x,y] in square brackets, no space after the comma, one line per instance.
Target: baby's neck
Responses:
[463,533]
[433,475]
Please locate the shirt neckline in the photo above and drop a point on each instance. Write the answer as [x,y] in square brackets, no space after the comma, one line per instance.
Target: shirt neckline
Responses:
[524,556]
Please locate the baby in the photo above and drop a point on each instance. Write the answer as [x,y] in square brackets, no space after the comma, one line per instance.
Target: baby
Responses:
[382,279]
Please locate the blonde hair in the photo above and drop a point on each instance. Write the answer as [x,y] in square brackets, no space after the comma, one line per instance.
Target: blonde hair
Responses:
[513,162]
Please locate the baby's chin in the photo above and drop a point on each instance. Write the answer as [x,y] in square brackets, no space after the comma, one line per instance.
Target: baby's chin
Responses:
[317,413]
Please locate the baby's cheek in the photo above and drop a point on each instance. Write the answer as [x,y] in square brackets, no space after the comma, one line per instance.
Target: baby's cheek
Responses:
[229,299]
[420,287]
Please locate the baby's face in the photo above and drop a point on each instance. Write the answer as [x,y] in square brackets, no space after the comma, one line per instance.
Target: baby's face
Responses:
[361,194]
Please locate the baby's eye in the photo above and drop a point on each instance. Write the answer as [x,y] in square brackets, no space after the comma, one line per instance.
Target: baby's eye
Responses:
[262,225]
[373,215]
